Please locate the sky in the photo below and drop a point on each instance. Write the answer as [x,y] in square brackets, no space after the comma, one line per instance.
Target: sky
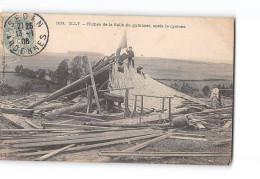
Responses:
[202,39]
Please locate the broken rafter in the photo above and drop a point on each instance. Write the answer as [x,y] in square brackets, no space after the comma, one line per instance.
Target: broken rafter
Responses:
[44,157]
[94,86]
[61,91]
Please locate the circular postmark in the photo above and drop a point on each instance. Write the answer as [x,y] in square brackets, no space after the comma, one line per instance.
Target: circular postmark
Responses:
[25,34]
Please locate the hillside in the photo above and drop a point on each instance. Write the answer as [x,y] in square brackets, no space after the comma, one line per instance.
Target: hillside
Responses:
[48,60]
[160,68]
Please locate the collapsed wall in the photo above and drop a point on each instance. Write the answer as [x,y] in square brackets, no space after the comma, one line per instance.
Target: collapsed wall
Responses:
[143,84]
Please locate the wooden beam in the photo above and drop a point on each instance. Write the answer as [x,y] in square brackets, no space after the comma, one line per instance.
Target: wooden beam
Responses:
[72,93]
[99,89]
[31,130]
[162,154]
[114,97]
[187,138]
[69,109]
[94,86]
[18,121]
[223,142]
[25,112]
[115,89]
[44,157]
[46,125]
[227,124]
[32,124]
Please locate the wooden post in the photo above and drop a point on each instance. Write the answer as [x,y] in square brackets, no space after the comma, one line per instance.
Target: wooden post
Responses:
[142,105]
[119,106]
[135,102]
[89,108]
[93,85]
[127,111]
[170,111]
[162,105]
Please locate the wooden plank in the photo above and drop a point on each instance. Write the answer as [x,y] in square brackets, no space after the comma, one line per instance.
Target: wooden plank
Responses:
[189,135]
[32,124]
[223,142]
[163,154]
[108,124]
[46,125]
[228,124]
[187,138]
[32,130]
[200,126]
[84,140]
[45,157]
[73,136]
[25,112]
[138,146]
[100,116]
[94,86]
[18,121]
[93,146]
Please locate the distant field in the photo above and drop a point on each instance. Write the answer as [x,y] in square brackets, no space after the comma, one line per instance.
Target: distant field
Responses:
[198,84]
[160,68]
[46,61]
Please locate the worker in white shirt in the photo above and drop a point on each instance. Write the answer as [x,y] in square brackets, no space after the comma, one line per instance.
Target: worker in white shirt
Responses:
[214,96]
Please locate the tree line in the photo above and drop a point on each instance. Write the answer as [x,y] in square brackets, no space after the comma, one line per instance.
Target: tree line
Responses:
[66,71]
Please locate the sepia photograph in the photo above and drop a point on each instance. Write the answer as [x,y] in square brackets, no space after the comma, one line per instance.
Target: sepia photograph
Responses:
[116,89]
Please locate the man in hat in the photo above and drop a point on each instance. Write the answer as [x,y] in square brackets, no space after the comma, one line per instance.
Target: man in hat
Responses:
[214,96]
[131,55]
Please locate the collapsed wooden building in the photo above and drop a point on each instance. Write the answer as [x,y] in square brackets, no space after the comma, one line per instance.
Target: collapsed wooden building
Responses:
[92,113]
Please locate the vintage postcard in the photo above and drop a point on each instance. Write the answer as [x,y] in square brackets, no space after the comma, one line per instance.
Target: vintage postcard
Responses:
[132,89]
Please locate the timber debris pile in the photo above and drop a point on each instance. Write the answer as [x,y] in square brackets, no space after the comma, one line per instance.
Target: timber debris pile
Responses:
[116,112]
[109,111]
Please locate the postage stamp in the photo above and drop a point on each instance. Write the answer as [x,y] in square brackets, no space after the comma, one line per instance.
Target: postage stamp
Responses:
[25,34]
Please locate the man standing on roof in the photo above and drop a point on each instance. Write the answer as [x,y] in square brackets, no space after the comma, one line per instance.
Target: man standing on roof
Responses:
[214,96]
[131,55]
